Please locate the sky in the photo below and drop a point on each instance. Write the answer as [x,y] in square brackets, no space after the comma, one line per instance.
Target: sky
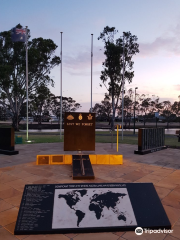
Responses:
[155,23]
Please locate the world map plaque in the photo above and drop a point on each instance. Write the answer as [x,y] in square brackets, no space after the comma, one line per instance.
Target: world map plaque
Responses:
[89,207]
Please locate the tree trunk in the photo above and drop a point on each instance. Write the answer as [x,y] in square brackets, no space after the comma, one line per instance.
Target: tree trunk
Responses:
[113,116]
[40,118]
[109,120]
[144,120]
[125,126]
[15,122]
[113,119]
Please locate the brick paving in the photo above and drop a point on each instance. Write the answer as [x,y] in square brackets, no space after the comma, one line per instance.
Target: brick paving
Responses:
[161,168]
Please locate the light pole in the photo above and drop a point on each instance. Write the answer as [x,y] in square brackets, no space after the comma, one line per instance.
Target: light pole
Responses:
[179,105]
[134,108]
[123,90]
[91,66]
[61,91]
[27,127]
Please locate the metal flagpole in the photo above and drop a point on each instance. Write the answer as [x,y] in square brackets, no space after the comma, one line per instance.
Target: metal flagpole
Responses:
[16,111]
[61,91]
[91,66]
[123,89]
[27,82]
[117,137]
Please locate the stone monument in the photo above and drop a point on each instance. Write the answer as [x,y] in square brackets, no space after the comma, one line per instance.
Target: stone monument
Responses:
[79,135]
[7,141]
[150,140]
[89,207]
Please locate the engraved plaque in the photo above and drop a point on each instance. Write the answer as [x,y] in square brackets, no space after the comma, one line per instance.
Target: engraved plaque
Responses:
[150,140]
[89,207]
[79,131]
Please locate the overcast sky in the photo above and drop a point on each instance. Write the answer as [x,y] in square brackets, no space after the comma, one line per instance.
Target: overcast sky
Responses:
[155,23]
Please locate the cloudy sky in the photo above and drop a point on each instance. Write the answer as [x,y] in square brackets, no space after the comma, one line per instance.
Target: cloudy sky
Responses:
[155,23]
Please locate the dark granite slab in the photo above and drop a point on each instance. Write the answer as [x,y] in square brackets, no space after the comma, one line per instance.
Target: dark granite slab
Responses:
[89,207]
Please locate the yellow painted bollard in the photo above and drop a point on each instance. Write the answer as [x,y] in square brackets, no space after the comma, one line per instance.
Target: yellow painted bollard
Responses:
[117,137]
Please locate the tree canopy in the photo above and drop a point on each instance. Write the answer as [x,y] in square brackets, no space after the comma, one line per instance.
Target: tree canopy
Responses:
[103,109]
[145,108]
[41,60]
[68,105]
[112,75]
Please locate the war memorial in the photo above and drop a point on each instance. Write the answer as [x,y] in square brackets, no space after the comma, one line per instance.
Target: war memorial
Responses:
[88,207]
[89,203]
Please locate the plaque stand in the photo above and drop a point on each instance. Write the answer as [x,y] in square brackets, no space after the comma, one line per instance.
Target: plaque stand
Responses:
[82,168]
[6,152]
[7,141]
[143,152]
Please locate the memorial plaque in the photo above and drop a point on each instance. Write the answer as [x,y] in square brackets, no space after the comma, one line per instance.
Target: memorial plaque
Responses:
[89,207]
[150,140]
[79,131]
[7,141]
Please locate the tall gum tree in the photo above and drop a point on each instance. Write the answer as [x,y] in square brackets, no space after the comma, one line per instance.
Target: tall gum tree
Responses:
[112,75]
[41,60]
[68,105]
[103,109]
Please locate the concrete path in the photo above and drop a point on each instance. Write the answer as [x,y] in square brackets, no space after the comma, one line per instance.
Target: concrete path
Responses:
[161,168]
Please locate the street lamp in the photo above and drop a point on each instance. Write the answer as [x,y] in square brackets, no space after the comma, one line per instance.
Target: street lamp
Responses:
[179,106]
[134,108]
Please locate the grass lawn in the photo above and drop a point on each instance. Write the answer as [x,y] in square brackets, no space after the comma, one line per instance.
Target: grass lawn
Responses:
[128,137]
[171,140]
[101,137]
[37,138]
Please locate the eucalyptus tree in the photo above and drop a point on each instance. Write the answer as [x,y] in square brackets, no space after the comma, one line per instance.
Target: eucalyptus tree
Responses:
[112,75]
[128,106]
[39,102]
[2,114]
[176,108]
[103,109]
[166,111]
[145,106]
[97,109]
[68,105]
[41,60]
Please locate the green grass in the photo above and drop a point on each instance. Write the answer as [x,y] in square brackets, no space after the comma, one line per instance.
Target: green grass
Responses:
[130,139]
[4,125]
[101,137]
[171,140]
[42,138]
[115,133]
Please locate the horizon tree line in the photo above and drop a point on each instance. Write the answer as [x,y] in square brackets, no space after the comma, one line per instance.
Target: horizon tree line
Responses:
[145,107]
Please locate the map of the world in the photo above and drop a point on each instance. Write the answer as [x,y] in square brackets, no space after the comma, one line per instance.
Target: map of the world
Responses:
[99,207]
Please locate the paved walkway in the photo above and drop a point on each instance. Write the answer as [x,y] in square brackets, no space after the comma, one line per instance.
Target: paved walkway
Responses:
[161,168]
